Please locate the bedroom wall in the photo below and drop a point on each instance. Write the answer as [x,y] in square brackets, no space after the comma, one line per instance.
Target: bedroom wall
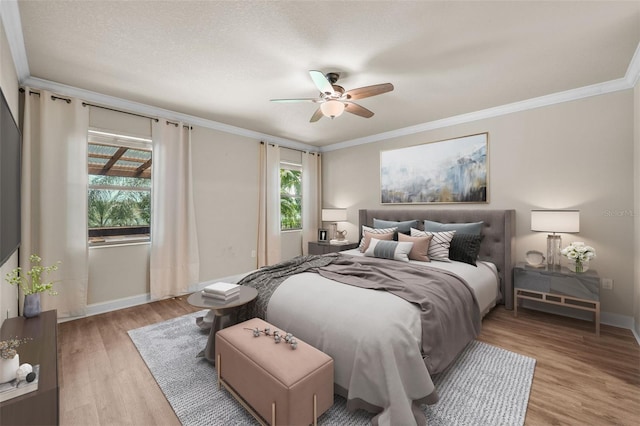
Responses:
[577,154]
[9,85]
[225,177]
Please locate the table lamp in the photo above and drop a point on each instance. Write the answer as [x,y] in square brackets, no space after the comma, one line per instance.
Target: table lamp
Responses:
[334,216]
[566,221]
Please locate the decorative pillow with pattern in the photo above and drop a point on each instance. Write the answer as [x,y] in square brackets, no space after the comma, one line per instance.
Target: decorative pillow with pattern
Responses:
[364,243]
[439,245]
[392,250]
[420,249]
[465,248]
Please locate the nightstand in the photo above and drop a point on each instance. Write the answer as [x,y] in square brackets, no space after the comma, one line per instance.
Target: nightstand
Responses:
[324,248]
[558,287]
[224,315]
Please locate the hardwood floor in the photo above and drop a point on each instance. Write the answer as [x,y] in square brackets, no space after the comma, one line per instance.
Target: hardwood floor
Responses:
[580,379]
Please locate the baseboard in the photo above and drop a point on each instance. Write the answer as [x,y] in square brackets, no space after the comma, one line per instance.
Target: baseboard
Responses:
[607,318]
[127,302]
[114,305]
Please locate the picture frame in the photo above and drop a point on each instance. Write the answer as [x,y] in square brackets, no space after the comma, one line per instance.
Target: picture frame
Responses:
[446,171]
[323,236]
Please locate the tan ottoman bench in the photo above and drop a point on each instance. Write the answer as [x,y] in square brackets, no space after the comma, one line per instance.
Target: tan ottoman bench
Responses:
[274,382]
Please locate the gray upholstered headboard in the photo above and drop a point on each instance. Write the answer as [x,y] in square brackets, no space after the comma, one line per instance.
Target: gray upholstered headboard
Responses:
[497,246]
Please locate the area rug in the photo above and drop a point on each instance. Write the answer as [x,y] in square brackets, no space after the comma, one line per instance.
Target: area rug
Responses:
[485,385]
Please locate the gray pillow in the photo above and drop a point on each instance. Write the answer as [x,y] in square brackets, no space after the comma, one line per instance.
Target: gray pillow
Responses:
[404,227]
[474,228]
[391,250]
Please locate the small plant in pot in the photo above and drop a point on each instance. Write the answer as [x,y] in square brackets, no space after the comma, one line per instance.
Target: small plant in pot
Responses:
[9,358]
[31,283]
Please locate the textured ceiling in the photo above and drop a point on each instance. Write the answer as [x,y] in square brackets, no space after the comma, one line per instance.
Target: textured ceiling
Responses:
[224,60]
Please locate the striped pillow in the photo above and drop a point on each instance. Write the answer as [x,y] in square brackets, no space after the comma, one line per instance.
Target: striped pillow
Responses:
[439,245]
[364,243]
[392,250]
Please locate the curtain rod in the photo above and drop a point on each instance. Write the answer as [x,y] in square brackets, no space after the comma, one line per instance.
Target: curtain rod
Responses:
[293,149]
[85,104]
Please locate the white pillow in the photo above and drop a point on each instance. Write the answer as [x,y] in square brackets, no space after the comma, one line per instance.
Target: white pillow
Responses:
[392,250]
[362,247]
[439,244]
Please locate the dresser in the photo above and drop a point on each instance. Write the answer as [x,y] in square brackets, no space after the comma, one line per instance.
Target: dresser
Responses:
[41,406]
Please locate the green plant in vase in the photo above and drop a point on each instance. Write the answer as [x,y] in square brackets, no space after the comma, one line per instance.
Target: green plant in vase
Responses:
[32,283]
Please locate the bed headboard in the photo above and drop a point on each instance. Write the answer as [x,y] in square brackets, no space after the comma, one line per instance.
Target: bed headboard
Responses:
[497,246]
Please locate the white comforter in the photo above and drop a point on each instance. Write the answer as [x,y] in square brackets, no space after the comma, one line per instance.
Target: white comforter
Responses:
[384,368]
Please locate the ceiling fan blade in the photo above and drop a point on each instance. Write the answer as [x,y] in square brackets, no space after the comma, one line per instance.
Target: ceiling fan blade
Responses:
[365,92]
[295,100]
[358,110]
[316,116]
[321,82]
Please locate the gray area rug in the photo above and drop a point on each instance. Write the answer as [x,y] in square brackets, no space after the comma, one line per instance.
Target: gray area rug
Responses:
[485,385]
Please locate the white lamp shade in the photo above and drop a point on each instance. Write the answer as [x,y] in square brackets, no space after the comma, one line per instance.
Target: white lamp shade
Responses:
[334,215]
[332,108]
[555,220]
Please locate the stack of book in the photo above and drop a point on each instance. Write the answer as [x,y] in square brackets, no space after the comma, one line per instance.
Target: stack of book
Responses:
[221,291]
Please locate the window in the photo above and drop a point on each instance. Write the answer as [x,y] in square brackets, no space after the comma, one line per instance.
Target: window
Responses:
[119,198]
[290,196]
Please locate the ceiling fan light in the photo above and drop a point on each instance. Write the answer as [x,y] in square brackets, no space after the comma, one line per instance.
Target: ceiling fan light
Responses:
[332,109]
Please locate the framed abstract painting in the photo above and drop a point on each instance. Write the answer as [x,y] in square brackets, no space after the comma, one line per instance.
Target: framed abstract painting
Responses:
[447,171]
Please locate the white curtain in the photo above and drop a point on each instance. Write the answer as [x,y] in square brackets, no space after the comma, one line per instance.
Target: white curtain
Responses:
[54,196]
[269,241]
[311,192]
[174,264]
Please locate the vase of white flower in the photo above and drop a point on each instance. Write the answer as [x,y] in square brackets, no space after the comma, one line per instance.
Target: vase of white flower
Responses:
[578,255]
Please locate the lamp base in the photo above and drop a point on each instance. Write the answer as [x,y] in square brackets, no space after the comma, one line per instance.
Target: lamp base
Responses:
[554,244]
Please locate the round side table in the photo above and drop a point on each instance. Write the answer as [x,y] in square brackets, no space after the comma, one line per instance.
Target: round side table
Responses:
[222,314]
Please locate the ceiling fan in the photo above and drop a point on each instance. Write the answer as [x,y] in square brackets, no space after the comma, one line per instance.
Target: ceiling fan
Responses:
[334,100]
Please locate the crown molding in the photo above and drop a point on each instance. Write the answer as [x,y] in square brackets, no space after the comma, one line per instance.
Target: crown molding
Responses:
[10,15]
[542,101]
[155,112]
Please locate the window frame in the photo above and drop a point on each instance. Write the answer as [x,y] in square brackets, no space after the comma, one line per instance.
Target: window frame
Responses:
[117,235]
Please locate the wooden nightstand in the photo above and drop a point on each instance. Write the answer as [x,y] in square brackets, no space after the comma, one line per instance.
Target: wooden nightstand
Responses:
[324,248]
[558,287]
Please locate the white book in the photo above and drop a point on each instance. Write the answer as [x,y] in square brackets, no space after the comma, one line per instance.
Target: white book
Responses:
[222,288]
[14,388]
[220,297]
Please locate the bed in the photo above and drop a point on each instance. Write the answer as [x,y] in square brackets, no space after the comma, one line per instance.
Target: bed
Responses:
[386,345]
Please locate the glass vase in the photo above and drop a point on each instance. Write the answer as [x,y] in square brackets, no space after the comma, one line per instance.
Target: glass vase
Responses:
[578,266]
[31,306]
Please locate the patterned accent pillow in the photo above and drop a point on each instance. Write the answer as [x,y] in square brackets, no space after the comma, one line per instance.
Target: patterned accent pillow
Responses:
[420,250]
[392,250]
[364,243]
[439,245]
[465,248]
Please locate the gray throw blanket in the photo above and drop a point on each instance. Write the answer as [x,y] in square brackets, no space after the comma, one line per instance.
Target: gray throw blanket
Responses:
[449,313]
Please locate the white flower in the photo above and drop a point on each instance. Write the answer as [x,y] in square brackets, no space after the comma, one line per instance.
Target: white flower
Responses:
[578,251]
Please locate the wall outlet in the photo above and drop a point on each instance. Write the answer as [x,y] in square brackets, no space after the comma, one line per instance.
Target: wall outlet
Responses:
[607,283]
[253,254]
